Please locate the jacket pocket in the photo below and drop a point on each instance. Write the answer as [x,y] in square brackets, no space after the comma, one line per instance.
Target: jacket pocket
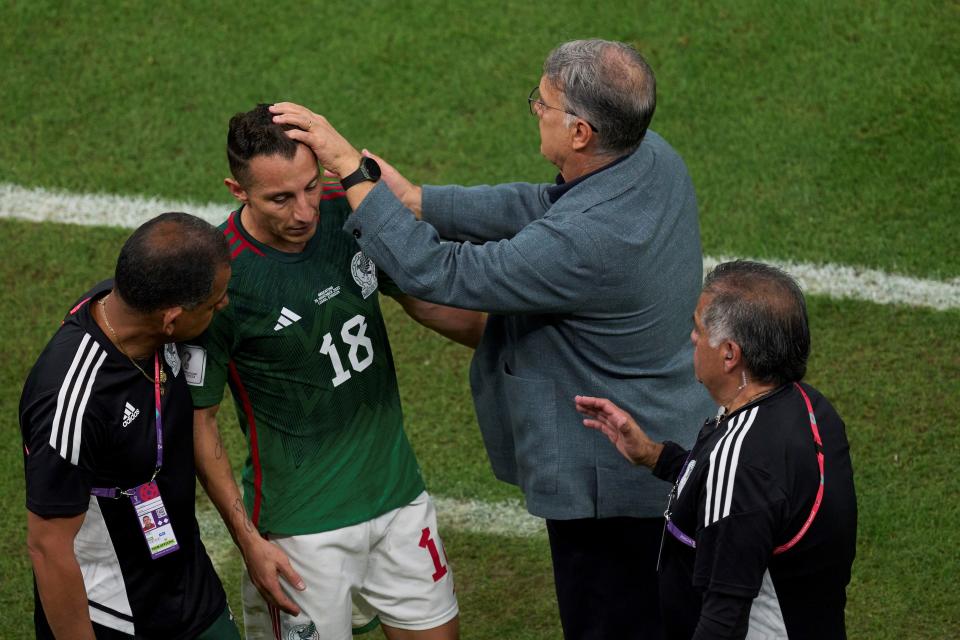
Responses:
[531,405]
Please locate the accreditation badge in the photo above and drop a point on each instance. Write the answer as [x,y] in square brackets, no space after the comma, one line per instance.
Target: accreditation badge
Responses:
[153,520]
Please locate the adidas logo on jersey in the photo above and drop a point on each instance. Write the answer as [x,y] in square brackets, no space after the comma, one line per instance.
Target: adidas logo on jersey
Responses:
[286,319]
[130,414]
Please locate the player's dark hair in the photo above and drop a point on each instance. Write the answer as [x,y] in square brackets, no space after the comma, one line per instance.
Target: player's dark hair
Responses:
[170,261]
[253,134]
[762,309]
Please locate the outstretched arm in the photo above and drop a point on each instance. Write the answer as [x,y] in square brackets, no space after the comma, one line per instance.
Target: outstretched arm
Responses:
[59,581]
[265,561]
[621,429]
[552,265]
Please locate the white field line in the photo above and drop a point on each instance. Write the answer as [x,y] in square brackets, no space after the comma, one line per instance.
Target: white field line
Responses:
[836,281]
[507,518]
[95,209]
[857,283]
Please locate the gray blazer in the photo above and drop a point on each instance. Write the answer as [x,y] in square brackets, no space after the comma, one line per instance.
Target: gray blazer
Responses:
[593,295]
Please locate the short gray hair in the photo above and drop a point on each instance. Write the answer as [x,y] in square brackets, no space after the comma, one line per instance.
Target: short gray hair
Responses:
[610,85]
[762,309]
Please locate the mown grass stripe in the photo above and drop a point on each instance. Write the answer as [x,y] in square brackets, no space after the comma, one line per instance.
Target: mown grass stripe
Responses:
[833,280]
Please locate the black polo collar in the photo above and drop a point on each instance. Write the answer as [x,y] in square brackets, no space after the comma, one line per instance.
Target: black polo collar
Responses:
[556,191]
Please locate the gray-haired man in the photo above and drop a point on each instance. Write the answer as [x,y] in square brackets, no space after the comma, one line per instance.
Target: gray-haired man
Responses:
[590,284]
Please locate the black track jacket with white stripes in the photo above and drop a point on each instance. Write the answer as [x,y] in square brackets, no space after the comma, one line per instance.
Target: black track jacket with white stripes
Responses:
[87,420]
[749,487]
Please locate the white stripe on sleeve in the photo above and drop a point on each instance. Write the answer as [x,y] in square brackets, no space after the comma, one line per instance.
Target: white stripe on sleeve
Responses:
[77,429]
[75,390]
[55,431]
[66,436]
[717,476]
[736,459]
[712,471]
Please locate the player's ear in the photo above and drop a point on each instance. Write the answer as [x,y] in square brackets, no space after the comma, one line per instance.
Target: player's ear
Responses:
[236,190]
[170,318]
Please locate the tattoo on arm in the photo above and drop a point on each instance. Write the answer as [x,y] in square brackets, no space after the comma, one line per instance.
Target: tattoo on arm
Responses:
[242,513]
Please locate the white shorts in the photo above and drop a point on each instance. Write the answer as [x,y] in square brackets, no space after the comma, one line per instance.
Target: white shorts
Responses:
[393,567]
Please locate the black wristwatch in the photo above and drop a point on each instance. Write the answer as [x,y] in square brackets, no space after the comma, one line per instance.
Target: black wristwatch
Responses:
[369,170]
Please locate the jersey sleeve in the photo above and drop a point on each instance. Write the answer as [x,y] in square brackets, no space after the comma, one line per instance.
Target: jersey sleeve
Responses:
[206,360]
[739,516]
[723,617]
[57,454]
[670,462]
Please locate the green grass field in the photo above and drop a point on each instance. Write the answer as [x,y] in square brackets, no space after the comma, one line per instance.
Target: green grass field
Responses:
[815,131]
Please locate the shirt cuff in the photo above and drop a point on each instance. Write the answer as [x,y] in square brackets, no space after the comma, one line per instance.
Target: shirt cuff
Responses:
[374,213]
[670,461]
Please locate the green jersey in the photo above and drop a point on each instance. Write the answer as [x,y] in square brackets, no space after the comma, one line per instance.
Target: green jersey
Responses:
[304,349]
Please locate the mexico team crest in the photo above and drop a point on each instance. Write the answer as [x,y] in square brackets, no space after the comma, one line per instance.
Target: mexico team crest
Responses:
[364,273]
[303,632]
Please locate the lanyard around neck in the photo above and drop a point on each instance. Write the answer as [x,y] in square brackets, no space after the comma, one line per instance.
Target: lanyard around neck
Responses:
[116,492]
[156,398]
[690,542]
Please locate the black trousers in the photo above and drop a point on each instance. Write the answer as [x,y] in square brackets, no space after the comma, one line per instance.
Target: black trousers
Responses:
[606,577]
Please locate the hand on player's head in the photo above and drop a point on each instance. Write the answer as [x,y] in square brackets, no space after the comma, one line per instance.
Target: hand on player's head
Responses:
[333,151]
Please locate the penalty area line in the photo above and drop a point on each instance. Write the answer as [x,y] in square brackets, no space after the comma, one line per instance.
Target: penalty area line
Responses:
[832,280]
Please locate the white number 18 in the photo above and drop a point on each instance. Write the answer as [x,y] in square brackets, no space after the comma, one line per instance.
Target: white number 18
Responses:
[357,339]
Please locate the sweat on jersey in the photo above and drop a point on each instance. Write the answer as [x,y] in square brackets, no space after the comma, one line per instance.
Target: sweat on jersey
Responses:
[87,420]
[748,488]
[304,349]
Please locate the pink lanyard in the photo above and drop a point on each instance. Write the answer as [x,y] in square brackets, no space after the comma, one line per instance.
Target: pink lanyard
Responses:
[116,492]
[690,542]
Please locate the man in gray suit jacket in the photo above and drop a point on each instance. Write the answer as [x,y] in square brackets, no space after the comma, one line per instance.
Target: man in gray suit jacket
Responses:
[590,285]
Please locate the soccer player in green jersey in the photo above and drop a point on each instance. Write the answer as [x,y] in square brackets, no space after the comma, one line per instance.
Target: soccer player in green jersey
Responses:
[333,498]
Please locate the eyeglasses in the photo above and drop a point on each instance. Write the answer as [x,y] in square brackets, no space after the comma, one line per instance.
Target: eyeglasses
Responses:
[537,105]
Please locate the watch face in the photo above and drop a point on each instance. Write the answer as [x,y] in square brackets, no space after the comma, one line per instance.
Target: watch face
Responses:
[370,169]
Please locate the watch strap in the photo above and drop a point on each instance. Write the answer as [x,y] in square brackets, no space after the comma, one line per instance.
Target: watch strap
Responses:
[362,174]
